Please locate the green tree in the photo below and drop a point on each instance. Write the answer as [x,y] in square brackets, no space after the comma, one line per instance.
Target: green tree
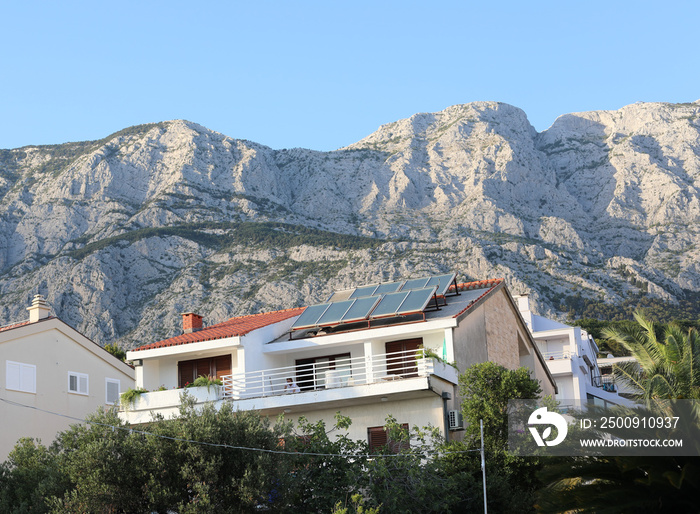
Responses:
[662,369]
[116,351]
[116,468]
[355,506]
[485,389]
[29,476]
[413,481]
[327,466]
[511,481]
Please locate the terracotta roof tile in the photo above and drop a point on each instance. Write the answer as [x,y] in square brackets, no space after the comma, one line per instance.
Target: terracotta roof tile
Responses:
[231,328]
[25,322]
[479,284]
[14,325]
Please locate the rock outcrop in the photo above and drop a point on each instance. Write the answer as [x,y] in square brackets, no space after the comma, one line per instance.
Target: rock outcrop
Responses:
[124,233]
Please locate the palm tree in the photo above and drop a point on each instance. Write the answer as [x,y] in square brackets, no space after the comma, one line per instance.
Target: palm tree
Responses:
[668,369]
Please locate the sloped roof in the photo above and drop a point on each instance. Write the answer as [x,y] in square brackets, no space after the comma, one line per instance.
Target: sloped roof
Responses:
[25,322]
[233,327]
[14,325]
[479,284]
[486,285]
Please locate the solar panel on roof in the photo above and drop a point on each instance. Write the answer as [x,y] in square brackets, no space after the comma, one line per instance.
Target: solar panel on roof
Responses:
[376,301]
[364,291]
[442,282]
[417,300]
[339,296]
[389,304]
[389,287]
[415,283]
[360,309]
[335,312]
[310,316]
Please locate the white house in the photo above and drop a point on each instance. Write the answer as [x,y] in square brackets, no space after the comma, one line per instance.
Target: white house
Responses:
[572,357]
[358,353]
[50,374]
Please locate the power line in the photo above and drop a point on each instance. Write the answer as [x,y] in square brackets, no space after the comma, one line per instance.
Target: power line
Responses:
[228,446]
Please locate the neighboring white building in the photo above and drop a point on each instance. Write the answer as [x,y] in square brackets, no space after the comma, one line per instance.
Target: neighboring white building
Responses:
[358,353]
[46,365]
[572,357]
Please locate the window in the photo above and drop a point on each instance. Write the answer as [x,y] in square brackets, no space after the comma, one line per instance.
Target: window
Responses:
[323,372]
[20,377]
[112,391]
[378,438]
[189,371]
[402,361]
[77,383]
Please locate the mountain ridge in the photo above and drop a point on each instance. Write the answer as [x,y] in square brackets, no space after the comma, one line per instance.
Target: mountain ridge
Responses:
[604,204]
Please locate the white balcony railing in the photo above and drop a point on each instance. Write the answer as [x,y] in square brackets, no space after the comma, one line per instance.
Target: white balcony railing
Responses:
[553,356]
[325,375]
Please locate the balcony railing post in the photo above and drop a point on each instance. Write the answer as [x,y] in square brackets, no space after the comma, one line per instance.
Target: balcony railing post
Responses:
[369,372]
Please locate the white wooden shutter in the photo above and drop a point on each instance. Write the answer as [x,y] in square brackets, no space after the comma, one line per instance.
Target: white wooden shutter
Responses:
[20,377]
[112,391]
[12,376]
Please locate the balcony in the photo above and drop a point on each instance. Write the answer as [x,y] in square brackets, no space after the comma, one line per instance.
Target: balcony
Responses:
[558,362]
[552,356]
[348,381]
[346,372]
[605,382]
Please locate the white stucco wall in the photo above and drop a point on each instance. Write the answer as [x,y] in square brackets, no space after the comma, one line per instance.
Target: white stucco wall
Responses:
[416,412]
[54,349]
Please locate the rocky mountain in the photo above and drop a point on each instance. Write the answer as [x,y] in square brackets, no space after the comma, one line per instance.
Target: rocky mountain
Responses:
[124,233]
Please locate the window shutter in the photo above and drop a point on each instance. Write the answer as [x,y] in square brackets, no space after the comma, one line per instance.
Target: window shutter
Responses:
[377,438]
[203,367]
[112,391]
[20,377]
[27,381]
[77,382]
[403,364]
[83,384]
[189,371]
[222,365]
[186,372]
[12,376]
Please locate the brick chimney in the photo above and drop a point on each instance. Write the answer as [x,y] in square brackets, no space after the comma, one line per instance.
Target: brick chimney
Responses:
[191,322]
[39,309]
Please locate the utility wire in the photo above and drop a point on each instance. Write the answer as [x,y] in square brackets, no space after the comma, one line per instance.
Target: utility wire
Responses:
[223,445]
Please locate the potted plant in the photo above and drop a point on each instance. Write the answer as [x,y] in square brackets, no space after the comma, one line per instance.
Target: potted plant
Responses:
[129,396]
[201,388]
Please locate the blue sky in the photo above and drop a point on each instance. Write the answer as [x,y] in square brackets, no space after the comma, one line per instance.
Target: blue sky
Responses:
[325,74]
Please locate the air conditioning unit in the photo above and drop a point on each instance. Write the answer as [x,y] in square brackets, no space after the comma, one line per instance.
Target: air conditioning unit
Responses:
[455,420]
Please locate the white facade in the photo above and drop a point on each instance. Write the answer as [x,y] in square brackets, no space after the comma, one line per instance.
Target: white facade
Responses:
[572,356]
[45,365]
[366,373]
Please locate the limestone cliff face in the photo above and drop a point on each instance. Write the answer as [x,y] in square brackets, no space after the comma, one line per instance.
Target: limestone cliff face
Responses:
[124,233]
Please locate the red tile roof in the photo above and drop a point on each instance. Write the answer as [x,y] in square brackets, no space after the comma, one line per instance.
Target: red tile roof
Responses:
[25,322]
[480,284]
[15,325]
[233,327]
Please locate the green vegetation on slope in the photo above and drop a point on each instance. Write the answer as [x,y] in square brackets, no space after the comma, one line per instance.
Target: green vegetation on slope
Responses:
[266,234]
[577,306]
